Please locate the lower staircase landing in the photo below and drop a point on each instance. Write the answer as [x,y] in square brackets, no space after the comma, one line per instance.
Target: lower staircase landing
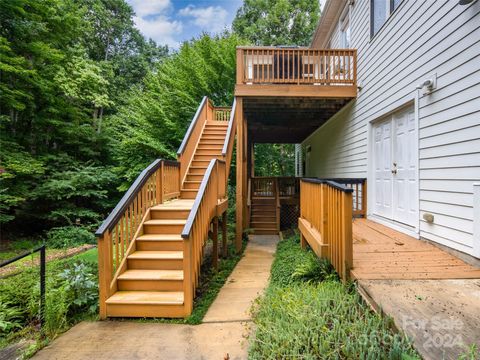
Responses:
[152,281]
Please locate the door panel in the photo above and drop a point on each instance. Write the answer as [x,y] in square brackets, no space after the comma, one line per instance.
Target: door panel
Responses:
[395,165]
[383,178]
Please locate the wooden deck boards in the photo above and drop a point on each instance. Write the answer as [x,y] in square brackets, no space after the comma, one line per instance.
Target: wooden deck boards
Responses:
[383,253]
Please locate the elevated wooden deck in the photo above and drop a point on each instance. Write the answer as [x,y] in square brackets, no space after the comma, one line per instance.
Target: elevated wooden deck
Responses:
[382,253]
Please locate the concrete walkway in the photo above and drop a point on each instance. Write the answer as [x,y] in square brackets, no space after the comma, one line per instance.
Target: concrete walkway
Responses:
[224,331]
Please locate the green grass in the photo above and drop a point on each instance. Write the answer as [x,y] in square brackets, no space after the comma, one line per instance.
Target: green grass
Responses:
[307,314]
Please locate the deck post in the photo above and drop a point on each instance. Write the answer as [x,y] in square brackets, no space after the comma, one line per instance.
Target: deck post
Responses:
[241,174]
[215,243]
[224,235]
[347,235]
[104,271]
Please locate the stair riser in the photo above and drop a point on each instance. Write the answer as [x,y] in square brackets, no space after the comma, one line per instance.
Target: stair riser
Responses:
[188,194]
[138,310]
[155,264]
[212,137]
[263,219]
[216,132]
[150,285]
[211,148]
[162,229]
[204,157]
[265,232]
[211,142]
[158,245]
[211,153]
[263,202]
[264,211]
[169,214]
[202,163]
[197,171]
[189,185]
[198,177]
[262,226]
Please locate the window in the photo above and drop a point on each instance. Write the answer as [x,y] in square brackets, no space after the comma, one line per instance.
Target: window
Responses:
[345,32]
[380,10]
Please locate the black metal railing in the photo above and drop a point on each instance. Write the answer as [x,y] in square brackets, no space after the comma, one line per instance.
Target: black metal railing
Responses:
[43,262]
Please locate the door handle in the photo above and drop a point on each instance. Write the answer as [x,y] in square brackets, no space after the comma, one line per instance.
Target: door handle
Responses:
[394,170]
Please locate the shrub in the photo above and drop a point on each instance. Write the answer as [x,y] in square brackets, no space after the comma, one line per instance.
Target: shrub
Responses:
[69,236]
[306,313]
[10,318]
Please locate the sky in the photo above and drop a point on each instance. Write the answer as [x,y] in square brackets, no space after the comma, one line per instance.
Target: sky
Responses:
[171,22]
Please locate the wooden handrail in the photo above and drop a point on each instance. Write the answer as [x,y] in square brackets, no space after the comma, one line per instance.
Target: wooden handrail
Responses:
[326,222]
[296,65]
[132,191]
[190,129]
[195,232]
[186,151]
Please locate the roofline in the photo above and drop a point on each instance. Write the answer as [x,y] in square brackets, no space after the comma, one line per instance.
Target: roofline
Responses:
[329,18]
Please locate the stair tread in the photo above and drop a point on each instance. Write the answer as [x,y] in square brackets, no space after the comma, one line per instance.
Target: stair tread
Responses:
[147,297]
[160,237]
[151,275]
[159,255]
[166,222]
[193,182]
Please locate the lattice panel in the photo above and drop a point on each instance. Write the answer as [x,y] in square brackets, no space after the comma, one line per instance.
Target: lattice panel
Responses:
[289,216]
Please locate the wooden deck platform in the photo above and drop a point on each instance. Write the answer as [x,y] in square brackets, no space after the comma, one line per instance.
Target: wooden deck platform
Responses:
[383,253]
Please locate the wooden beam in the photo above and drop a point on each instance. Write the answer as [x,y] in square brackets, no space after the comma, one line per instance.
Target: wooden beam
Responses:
[313,237]
[240,174]
[215,243]
[314,91]
[224,235]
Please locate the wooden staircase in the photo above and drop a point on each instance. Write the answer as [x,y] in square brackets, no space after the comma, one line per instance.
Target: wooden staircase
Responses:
[209,147]
[263,218]
[151,245]
[264,205]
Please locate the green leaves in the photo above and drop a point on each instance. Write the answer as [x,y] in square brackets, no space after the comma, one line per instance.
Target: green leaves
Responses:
[277,22]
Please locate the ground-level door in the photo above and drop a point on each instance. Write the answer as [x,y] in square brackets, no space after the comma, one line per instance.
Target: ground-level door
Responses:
[395,167]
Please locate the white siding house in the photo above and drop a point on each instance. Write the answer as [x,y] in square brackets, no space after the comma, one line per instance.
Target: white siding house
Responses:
[418,149]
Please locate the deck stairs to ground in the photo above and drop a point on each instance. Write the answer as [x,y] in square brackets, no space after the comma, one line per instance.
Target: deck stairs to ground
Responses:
[263,216]
[150,280]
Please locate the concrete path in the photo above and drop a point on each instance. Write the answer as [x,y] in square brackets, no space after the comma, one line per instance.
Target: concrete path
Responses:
[224,331]
[442,317]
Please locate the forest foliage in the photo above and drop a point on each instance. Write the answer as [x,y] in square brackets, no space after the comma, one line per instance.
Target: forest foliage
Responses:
[86,102]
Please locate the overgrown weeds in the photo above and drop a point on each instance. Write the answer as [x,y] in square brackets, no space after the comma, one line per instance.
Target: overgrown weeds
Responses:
[306,313]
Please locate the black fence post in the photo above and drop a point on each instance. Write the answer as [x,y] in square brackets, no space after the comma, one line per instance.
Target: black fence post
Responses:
[42,284]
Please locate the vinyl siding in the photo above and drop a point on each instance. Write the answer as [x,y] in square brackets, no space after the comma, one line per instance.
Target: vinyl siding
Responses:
[419,39]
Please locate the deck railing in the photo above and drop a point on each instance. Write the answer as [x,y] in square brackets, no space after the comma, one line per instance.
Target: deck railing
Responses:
[222,113]
[326,222]
[299,65]
[159,182]
[195,232]
[359,194]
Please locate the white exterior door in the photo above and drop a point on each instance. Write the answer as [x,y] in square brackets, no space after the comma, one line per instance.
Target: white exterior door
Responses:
[395,158]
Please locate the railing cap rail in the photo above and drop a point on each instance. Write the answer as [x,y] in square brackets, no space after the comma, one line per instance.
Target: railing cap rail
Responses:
[331,183]
[290,48]
[230,126]
[192,125]
[132,191]
[187,229]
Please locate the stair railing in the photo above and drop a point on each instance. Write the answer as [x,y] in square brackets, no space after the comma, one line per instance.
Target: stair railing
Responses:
[187,148]
[157,183]
[195,233]
[227,150]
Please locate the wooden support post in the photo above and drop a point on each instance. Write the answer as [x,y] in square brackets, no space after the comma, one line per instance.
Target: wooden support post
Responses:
[364,199]
[303,241]
[105,269]
[240,174]
[224,235]
[215,243]
[347,234]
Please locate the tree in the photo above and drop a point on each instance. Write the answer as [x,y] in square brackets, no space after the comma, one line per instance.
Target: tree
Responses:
[154,120]
[277,22]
